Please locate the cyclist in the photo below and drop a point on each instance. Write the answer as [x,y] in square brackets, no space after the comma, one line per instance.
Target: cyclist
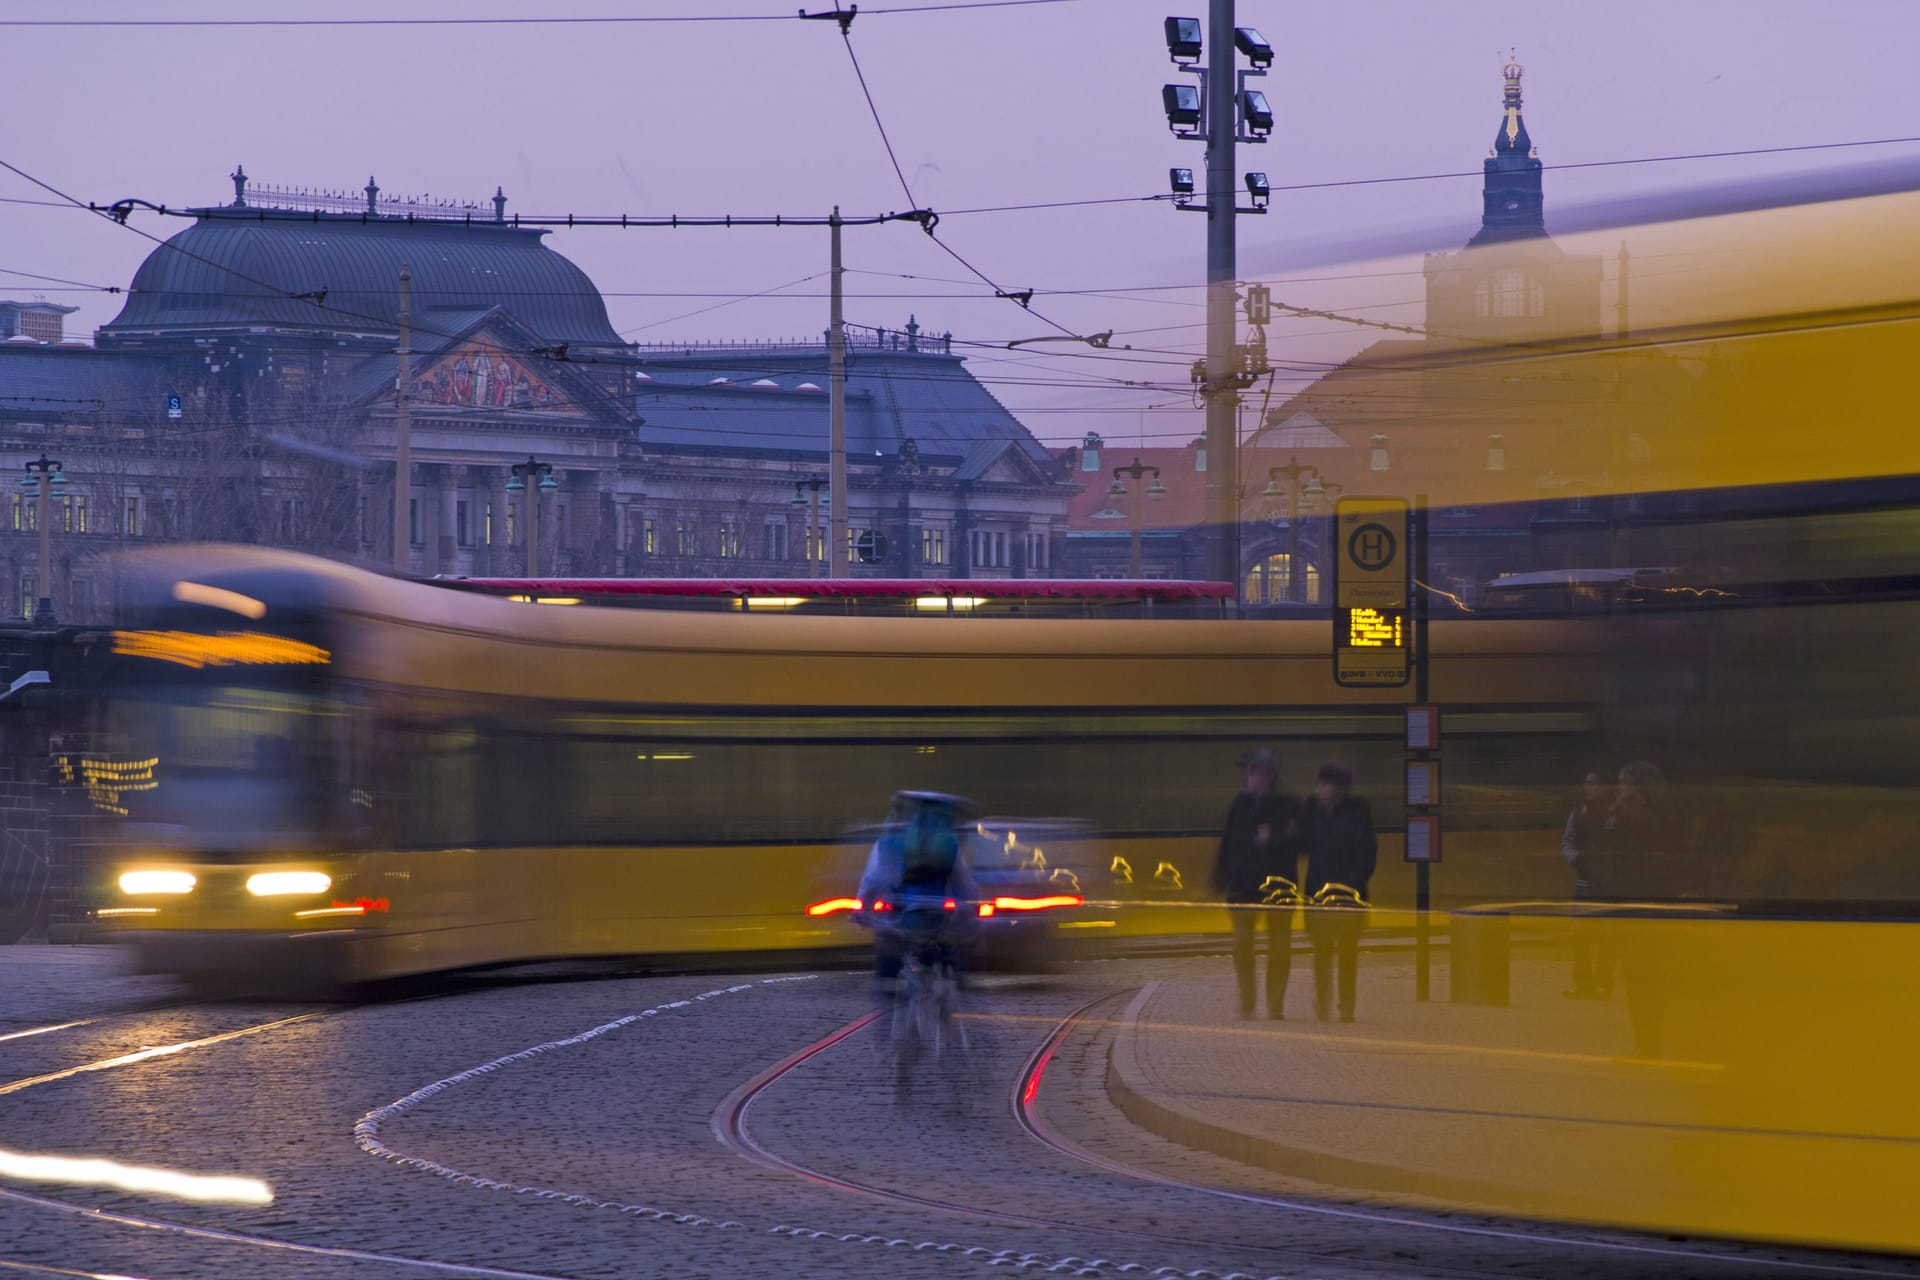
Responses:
[917,890]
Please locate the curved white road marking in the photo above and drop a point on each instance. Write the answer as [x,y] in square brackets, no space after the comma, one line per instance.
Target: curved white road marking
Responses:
[366,1132]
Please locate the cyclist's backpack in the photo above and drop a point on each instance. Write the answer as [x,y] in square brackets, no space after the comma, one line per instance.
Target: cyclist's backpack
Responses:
[929,851]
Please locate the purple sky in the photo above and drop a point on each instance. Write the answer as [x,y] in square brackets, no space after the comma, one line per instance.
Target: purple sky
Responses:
[992,107]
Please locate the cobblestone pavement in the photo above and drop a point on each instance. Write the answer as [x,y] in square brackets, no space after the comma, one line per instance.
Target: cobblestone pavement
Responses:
[538,1127]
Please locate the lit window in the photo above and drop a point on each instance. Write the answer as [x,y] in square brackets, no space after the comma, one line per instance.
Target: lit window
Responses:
[933,546]
[73,513]
[730,547]
[686,536]
[649,538]
[1271,581]
[133,518]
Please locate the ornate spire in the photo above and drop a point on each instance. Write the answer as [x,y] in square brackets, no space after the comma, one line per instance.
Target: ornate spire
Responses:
[1512,138]
[1513,204]
[239,176]
[499,204]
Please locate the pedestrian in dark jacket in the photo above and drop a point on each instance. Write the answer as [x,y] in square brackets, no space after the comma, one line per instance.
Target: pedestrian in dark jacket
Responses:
[1336,830]
[1258,846]
[1593,962]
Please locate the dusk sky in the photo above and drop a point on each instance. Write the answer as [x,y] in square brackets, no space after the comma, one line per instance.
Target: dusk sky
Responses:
[995,106]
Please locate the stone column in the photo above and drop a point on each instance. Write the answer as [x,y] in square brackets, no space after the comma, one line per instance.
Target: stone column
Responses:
[447,491]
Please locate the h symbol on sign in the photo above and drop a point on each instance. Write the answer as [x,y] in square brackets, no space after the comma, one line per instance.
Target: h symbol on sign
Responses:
[1374,548]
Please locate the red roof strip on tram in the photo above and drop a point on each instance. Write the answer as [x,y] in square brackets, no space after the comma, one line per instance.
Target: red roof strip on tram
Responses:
[857,588]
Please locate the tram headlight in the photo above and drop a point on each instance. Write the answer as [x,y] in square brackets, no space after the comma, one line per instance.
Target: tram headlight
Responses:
[275,884]
[137,882]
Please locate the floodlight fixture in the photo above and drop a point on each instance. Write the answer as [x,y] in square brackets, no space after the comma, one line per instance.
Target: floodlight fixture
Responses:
[1255,113]
[1183,39]
[1250,42]
[1182,104]
[1181,180]
[1260,189]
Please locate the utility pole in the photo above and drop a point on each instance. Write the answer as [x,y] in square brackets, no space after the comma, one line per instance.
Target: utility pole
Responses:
[402,431]
[1222,395]
[837,408]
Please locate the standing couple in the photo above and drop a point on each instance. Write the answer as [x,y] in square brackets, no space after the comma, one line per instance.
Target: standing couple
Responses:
[1266,832]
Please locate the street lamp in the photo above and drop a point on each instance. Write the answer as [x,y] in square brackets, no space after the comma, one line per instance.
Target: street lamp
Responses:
[48,477]
[1294,491]
[1134,471]
[806,493]
[541,474]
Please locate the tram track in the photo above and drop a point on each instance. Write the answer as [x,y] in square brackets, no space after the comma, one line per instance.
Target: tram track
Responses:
[730,1124]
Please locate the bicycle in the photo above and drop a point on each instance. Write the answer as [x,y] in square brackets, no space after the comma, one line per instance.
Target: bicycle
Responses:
[924,1030]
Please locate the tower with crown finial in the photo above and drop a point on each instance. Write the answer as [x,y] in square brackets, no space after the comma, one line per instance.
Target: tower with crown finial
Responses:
[1513,282]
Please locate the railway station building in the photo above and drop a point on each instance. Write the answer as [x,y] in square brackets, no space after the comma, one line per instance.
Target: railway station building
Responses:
[247,392]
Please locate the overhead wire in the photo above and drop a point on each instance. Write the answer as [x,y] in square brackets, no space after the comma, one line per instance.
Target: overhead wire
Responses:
[550,20]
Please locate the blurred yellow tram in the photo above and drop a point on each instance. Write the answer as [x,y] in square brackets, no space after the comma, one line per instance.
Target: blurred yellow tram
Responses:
[334,773]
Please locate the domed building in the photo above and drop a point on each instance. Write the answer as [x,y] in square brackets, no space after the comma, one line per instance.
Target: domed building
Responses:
[247,392]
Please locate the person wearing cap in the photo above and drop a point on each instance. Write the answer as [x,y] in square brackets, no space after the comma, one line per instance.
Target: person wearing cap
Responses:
[1256,843]
[1336,830]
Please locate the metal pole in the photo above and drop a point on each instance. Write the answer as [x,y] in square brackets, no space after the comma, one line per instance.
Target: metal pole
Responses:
[837,369]
[1133,559]
[816,553]
[43,610]
[1223,449]
[403,431]
[1421,899]
[532,517]
[1293,538]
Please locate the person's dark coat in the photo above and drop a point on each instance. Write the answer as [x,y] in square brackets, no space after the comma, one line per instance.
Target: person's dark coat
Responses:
[1242,866]
[1639,850]
[1339,843]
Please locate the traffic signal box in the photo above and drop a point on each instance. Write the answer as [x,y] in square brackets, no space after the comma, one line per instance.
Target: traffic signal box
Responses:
[1372,593]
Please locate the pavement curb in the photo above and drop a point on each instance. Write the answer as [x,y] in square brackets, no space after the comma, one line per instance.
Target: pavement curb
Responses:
[1129,1089]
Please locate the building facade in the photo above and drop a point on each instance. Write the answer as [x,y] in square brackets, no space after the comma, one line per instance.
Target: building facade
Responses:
[248,392]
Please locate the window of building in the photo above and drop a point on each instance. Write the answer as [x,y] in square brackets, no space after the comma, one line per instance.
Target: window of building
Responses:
[289,519]
[29,592]
[775,542]
[1509,292]
[686,536]
[933,546]
[816,544]
[1271,581]
[132,525]
[730,544]
[462,533]
[1496,453]
[73,513]
[413,521]
[649,537]
[1377,459]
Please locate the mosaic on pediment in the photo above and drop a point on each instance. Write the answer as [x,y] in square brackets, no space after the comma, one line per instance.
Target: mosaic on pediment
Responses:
[478,375]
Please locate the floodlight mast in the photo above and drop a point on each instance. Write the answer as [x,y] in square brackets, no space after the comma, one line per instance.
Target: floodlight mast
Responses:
[1226,116]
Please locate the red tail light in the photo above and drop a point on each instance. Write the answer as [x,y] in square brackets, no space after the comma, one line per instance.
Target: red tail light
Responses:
[949,905]
[1037,904]
[880,904]
[832,905]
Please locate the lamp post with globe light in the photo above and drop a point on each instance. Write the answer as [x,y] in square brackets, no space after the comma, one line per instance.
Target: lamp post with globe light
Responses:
[1299,494]
[48,478]
[1134,471]
[532,477]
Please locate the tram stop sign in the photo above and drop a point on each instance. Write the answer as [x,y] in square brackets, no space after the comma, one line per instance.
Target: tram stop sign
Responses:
[1372,592]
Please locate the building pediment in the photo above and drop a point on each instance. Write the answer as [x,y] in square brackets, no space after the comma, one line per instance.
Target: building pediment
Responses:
[491,367]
